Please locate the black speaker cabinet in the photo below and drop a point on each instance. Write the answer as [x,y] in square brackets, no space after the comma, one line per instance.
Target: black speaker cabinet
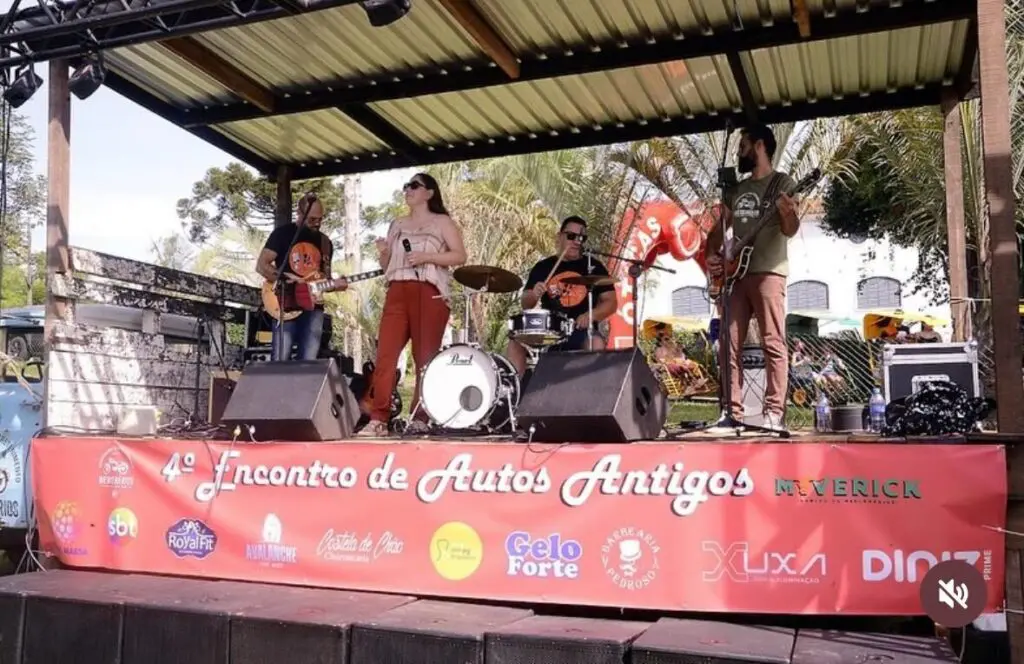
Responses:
[607,396]
[305,400]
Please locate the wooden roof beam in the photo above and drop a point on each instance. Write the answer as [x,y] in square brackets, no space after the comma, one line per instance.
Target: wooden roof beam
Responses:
[220,70]
[484,34]
[802,17]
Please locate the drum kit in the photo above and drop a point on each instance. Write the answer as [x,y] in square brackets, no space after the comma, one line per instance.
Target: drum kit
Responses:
[467,387]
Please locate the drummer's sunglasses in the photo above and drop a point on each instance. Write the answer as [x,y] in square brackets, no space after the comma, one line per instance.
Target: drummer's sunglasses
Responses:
[572,237]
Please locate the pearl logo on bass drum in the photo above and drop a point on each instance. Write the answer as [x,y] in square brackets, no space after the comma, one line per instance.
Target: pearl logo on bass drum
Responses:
[551,557]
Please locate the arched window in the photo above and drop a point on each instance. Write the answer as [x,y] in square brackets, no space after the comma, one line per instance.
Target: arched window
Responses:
[690,301]
[807,295]
[879,293]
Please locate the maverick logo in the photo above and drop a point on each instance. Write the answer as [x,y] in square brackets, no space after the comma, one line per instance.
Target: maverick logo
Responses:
[848,489]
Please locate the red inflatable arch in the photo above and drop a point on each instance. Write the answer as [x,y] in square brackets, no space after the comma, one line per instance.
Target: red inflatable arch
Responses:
[658,228]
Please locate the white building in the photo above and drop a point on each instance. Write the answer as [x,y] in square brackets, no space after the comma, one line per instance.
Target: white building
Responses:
[846,279]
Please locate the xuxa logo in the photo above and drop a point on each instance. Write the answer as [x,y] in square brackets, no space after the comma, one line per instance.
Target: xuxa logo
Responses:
[908,566]
[740,565]
[849,489]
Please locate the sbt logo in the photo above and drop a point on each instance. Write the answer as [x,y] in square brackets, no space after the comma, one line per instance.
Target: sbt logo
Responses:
[551,557]
[122,525]
[903,566]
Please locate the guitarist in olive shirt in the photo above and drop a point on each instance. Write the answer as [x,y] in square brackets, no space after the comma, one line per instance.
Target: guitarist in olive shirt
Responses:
[761,293]
[309,259]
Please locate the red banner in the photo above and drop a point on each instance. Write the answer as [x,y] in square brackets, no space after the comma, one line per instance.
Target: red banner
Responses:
[658,228]
[763,528]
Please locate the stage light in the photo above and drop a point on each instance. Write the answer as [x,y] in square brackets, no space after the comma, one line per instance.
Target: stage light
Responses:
[87,78]
[24,86]
[385,12]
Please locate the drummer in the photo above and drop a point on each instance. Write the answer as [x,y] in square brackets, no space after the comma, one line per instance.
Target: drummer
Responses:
[546,285]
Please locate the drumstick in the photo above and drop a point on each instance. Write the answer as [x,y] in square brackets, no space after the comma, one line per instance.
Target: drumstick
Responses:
[557,263]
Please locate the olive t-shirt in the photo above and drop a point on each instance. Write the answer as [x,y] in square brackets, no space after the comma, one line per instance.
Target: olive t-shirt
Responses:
[770,247]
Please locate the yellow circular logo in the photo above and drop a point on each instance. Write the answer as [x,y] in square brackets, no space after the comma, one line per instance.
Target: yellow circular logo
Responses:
[456,551]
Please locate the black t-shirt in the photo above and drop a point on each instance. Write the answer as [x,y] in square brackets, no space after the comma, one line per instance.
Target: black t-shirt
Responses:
[311,255]
[573,299]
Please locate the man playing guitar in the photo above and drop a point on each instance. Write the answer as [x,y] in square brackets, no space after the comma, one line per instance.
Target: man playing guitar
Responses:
[309,259]
[761,293]
[545,288]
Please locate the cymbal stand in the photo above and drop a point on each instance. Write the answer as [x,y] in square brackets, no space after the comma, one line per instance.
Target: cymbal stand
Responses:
[636,267]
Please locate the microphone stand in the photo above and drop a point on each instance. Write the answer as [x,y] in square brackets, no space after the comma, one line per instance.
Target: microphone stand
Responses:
[279,284]
[636,267]
[727,420]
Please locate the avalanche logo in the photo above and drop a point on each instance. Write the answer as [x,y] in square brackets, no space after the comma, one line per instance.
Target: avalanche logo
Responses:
[122,526]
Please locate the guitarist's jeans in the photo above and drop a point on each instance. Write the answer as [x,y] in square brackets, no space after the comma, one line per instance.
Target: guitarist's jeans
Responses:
[762,297]
[305,332]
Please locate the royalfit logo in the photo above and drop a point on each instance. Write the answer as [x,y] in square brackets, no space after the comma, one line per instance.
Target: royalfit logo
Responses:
[848,489]
[740,564]
[910,566]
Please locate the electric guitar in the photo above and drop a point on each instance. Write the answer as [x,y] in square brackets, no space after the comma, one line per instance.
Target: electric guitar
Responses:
[741,250]
[308,293]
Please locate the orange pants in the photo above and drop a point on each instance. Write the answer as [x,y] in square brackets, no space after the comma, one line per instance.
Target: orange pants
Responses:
[412,310]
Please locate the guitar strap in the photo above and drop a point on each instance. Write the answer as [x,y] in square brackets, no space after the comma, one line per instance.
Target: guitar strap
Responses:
[770,193]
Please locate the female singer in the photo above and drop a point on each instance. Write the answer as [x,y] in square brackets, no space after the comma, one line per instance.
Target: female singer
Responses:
[416,257]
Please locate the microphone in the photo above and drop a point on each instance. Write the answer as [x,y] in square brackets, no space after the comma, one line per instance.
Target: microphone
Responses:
[408,250]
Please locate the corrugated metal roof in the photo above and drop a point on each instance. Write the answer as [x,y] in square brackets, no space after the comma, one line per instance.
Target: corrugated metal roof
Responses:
[336,48]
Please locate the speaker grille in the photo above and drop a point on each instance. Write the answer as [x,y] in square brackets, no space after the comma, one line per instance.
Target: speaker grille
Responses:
[557,640]
[672,641]
[429,632]
[816,646]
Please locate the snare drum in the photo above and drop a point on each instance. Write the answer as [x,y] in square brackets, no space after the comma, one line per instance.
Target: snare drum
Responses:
[539,327]
[464,387]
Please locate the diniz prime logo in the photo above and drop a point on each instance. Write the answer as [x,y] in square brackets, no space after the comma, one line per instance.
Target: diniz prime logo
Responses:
[630,558]
[115,471]
[739,564]
[849,489]
[271,551]
[550,557]
[348,547]
[909,566]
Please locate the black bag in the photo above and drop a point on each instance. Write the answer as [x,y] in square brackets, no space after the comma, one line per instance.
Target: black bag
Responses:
[940,408]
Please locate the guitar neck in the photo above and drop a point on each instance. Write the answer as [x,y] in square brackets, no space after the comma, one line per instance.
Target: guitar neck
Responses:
[352,278]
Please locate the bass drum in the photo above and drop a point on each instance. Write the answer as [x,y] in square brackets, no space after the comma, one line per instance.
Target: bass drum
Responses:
[465,387]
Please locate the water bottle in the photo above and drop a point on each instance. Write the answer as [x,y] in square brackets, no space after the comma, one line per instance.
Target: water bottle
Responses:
[876,411]
[823,415]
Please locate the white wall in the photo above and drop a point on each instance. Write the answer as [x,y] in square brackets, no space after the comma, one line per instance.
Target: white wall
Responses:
[840,264]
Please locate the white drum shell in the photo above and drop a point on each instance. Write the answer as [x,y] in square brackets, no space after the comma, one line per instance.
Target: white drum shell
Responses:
[448,375]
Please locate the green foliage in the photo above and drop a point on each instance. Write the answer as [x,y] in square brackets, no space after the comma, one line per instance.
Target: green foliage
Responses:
[14,285]
[237,197]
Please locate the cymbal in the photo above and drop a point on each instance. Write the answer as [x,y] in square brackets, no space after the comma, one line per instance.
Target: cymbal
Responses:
[591,280]
[494,279]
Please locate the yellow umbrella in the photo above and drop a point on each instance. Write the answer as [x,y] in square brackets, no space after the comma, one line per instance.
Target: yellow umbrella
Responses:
[674,323]
[888,321]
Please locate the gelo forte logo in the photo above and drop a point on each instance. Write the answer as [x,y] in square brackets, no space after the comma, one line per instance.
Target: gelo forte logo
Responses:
[551,557]
[909,566]
[122,526]
[456,551]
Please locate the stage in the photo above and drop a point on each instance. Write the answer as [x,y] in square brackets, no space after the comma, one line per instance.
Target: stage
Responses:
[812,527]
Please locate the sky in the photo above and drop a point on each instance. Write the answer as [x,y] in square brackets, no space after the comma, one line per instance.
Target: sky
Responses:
[129,167]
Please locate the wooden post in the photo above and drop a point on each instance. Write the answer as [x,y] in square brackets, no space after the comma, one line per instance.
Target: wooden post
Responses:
[956,236]
[58,195]
[999,199]
[283,211]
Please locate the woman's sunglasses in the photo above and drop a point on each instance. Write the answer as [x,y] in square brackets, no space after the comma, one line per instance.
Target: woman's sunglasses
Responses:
[412,186]
[572,237]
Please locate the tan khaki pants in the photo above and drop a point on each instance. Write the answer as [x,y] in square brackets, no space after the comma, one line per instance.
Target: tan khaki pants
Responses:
[762,296]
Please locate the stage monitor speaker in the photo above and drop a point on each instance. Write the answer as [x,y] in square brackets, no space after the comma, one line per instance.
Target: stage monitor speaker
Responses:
[302,400]
[607,396]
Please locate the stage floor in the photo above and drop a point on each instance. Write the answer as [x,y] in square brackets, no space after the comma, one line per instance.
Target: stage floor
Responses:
[140,619]
[762,526]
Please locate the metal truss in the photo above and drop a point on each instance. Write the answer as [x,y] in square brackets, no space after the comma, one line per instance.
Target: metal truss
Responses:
[75,28]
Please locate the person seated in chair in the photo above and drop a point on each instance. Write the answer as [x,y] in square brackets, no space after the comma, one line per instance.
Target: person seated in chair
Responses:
[567,299]
[668,353]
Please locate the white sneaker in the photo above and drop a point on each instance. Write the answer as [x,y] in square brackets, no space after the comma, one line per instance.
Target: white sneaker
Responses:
[773,421]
